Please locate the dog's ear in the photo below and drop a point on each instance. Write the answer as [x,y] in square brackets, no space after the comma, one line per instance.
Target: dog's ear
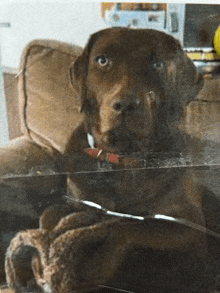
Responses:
[79,70]
[183,78]
[78,74]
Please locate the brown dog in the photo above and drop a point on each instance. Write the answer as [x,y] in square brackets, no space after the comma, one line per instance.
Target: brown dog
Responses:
[133,85]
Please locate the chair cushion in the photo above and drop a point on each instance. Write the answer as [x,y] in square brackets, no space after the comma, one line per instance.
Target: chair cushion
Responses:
[203,114]
[48,102]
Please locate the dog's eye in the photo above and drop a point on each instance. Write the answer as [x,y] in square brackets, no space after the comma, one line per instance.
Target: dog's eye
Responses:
[158,65]
[102,61]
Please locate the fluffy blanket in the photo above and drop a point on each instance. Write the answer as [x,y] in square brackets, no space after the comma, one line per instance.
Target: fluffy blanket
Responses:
[89,250]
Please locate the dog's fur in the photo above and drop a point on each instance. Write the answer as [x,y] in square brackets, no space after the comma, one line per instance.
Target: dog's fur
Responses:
[132,103]
[133,86]
[133,106]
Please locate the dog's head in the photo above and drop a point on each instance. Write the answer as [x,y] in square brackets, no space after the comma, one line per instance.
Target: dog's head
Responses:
[133,86]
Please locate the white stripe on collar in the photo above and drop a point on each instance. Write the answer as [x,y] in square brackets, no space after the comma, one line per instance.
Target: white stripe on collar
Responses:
[91,140]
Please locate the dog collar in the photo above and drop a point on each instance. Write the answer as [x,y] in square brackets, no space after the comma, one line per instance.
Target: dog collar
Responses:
[123,161]
[109,157]
[97,153]
[91,140]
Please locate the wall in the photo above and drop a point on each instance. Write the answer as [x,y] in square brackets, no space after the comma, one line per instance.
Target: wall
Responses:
[67,21]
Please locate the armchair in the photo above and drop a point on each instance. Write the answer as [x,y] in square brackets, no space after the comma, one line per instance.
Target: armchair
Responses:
[31,178]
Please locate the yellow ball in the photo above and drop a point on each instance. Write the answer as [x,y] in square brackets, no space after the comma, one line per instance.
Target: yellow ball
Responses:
[216,41]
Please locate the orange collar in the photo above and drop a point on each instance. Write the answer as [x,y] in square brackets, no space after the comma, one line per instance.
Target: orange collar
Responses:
[112,158]
[109,157]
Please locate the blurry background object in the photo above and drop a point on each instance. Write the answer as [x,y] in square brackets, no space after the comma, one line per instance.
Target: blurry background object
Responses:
[194,25]
[216,40]
[160,16]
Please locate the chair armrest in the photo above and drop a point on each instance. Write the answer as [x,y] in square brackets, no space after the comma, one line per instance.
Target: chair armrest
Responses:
[21,156]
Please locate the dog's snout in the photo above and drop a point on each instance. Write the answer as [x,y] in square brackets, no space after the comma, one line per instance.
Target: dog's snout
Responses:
[122,106]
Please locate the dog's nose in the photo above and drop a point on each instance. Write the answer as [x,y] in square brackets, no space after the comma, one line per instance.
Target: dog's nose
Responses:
[125,105]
